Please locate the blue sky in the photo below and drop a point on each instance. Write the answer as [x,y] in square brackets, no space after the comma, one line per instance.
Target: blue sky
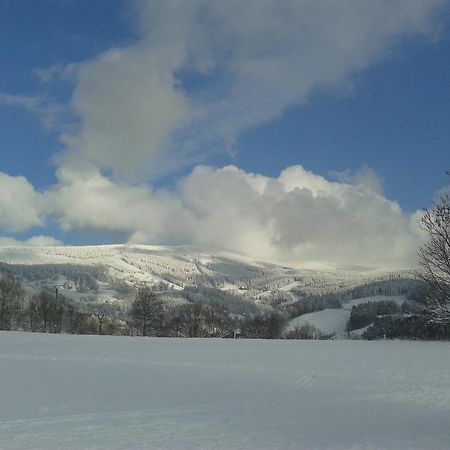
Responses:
[99,97]
[395,120]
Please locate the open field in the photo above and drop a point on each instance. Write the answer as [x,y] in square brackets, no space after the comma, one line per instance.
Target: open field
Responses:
[74,392]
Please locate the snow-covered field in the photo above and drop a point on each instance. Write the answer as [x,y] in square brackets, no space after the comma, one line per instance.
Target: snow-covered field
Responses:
[333,322]
[77,392]
[329,321]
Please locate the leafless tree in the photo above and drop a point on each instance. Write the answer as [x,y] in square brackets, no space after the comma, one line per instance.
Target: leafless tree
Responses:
[45,312]
[304,331]
[100,318]
[147,312]
[11,296]
[199,320]
[434,260]
[264,327]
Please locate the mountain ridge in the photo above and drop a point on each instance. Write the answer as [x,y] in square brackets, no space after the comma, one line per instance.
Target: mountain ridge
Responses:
[182,266]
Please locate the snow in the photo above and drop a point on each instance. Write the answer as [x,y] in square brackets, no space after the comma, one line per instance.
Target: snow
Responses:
[179,266]
[77,392]
[328,321]
[333,322]
[101,295]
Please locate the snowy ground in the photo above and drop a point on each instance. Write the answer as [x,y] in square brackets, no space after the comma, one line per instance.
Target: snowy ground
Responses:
[333,322]
[74,392]
[329,321]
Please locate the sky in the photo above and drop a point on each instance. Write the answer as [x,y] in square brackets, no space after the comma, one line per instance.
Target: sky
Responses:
[302,132]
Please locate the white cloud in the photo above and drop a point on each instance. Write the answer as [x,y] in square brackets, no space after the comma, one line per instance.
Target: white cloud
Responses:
[247,62]
[20,205]
[366,176]
[49,113]
[299,218]
[129,105]
[198,75]
[28,102]
[92,201]
[35,241]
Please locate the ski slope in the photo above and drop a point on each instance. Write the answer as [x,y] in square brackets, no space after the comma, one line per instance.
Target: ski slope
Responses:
[102,392]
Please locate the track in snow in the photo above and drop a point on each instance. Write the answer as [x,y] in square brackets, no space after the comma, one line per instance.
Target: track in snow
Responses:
[72,392]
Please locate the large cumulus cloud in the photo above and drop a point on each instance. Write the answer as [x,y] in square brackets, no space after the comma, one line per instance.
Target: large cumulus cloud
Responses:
[298,218]
[20,204]
[197,75]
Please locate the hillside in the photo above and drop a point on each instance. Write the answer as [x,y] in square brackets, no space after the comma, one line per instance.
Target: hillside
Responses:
[176,267]
[109,275]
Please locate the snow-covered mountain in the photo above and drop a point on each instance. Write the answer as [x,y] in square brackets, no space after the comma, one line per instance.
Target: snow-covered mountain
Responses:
[103,271]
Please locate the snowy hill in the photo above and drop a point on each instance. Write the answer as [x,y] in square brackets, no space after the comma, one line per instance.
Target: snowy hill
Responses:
[105,273]
[148,264]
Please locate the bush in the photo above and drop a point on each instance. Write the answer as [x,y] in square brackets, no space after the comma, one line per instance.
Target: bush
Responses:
[304,331]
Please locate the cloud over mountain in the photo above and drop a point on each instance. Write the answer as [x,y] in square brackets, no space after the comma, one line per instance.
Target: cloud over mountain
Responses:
[298,218]
[20,205]
[197,75]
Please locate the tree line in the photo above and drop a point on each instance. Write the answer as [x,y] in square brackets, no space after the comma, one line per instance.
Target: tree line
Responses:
[47,312]
[148,315]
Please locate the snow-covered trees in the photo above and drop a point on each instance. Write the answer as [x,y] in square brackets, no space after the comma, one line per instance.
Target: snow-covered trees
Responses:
[434,259]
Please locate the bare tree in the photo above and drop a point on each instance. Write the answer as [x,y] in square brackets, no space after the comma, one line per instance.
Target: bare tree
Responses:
[100,318]
[434,259]
[147,312]
[45,312]
[11,295]
[264,327]
[199,320]
[189,320]
[75,321]
[217,322]
[304,330]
